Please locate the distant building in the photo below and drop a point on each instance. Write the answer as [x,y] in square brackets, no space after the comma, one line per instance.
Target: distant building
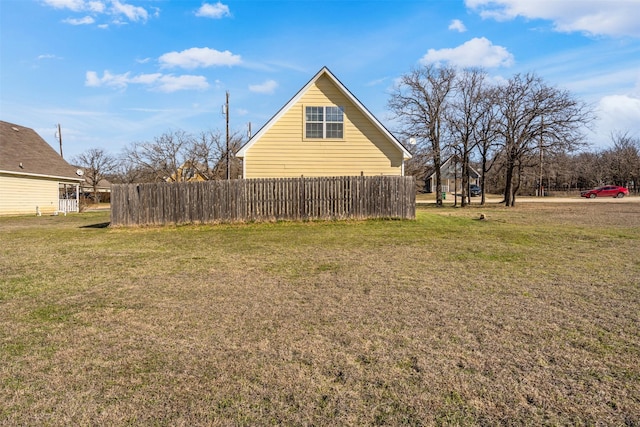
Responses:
[102,187]
[189,172]
[450,175]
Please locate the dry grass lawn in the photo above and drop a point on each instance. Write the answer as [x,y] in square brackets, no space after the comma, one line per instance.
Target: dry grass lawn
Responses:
[530,317]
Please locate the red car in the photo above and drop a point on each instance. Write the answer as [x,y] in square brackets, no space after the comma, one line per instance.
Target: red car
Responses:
[606,191]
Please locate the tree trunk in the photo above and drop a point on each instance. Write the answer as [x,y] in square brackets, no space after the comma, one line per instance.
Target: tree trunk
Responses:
[508,187]
[483,179]
[436,165]
[515,187]
[95,193]
[465,179]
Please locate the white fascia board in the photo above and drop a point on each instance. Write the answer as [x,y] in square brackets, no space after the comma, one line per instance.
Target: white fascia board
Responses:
[37,175]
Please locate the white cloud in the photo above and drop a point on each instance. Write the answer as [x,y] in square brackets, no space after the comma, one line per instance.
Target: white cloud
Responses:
[112,80]
[171,83]
[116,10]
[267,87]
[96,6]
[79,21]
[618,113]
[477,52]
[595,17]
[458,26]
[199,57]
[48,56]
[216,11]
[144,79]
[74,5]
[376,82]
[134,13]
[155,81]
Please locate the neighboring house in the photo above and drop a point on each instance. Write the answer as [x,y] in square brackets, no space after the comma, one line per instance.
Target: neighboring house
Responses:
[188,172]
[322,131]
[103,187]
[450,175]
[34,178]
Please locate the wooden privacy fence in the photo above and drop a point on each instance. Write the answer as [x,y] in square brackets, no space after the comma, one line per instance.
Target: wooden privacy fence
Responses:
[357,197]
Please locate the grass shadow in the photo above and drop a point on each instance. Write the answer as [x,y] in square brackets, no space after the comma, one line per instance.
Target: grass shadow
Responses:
[98,225]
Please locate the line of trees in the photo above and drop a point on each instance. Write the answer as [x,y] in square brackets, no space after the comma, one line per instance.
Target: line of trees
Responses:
[572,172]
[175,155]
[512,123]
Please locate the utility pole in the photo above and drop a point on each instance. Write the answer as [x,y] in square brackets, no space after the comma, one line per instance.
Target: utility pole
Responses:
[541,187]
[226,109]
[59,135]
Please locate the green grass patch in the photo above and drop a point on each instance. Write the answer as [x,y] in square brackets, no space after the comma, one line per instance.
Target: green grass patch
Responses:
[530,316]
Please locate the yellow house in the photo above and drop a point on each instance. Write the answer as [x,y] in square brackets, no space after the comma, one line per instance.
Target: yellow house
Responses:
[322,131]
[188,172]
[34,178]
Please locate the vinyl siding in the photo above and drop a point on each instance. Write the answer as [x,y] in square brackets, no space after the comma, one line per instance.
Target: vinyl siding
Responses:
[284,152]
[21,195]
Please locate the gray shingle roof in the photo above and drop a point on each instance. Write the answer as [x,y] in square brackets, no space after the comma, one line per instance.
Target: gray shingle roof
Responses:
[23,151]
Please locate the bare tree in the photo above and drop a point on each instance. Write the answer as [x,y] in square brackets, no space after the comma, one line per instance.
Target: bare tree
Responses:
[485,137]
[97,165]
[416,166]
[210,150]
[179,156]
[127,172]
[624,160]
[162,157]
[419,101]
[590,169]
[464,117]
[534,116]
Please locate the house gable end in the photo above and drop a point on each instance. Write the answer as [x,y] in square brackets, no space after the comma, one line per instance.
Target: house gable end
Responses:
[302,92]
[281,147]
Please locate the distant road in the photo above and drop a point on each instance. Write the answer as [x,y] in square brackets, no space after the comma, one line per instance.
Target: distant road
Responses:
[577,199]
[492,199]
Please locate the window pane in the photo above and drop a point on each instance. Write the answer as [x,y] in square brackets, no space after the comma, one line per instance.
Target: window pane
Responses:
[334,130]
[314,114]
[334,114]
[314,130]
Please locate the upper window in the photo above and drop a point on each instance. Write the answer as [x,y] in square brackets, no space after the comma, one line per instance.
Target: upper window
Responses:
[324,122]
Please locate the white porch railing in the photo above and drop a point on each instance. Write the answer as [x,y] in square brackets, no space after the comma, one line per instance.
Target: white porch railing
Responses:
[67,205]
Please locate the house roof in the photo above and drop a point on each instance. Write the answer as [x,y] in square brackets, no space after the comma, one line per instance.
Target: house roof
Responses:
[447,169]
[103,183]
[323,72]
[24,152]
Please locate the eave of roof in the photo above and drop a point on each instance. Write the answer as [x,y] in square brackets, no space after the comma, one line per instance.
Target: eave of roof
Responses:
[431,171]
[36,175]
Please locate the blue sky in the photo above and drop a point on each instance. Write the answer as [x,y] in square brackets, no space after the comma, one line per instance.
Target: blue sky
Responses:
[112,72]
